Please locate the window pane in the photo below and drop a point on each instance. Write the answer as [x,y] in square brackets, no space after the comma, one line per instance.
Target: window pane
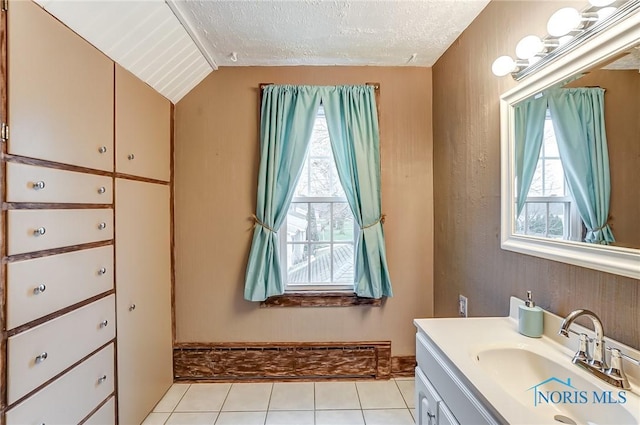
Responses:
[342,222]
[556,220]
[550,144]
[302,188]
[320,262]
[536,183]
[297,267]
[319,221]
[343,263]
[554,178]
[336,186]
[320,142]
[320,184]
[297,223]
[536,219]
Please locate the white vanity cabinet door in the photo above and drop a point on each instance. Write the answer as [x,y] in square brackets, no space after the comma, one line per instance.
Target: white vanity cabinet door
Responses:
[431,409]
[445,417]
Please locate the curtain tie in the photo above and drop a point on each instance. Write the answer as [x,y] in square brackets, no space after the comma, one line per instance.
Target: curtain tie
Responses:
[257,222]
[599,228]
[379,220]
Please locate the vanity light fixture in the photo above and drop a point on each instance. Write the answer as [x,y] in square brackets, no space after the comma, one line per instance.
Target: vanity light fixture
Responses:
[567,28]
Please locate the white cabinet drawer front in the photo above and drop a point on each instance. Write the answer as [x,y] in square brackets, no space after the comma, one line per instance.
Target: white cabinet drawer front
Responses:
[106,415]
[70,398]
[38,354]
[29,183]
[44,285]
[36,230]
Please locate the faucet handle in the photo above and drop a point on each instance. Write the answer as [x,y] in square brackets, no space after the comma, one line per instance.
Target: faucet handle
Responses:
[582,355]
[615,353]
[616,371]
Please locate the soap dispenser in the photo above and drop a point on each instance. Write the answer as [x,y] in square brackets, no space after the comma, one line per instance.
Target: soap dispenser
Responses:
[530,318]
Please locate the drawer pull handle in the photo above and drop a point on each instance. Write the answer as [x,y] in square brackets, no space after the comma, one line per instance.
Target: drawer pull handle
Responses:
[38,185]
[39,231]
[103,149]
[102,379]
[132,307]
[102,190]
[39,289]
[131,156]
[102,226]
[103,270]
[104,323]
[42,357]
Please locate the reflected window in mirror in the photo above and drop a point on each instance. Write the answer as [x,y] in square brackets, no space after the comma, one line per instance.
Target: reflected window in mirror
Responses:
[549,210]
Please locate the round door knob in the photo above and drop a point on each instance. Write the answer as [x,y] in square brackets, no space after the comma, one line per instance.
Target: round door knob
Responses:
[39,231]
[102,226]
[38,185]
[102,271]
[132,307]
[102,190]
[102,379]
[131,156]
[102,149]
[39,289]
[41,357]
[104,323]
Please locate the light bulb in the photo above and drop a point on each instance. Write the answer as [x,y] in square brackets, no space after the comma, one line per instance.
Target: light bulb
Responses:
[529,46]
[601,3]
[503,65]
[564,39]
[563,21]
[534,59]
[605,12]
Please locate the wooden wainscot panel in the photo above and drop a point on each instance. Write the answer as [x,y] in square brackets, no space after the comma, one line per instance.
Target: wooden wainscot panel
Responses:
[403,366]
[282,361]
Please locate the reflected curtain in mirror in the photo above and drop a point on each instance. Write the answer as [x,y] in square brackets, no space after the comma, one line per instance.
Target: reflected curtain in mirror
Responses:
[529,129]
[578,121]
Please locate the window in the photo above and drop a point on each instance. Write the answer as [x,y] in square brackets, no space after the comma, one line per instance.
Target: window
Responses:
[319,230]
[550,211]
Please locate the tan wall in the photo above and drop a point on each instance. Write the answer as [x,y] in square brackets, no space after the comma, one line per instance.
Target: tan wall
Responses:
[216,163]
[468,258]
[622,109]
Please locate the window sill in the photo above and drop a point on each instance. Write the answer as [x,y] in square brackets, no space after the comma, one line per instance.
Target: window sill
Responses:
[320,299]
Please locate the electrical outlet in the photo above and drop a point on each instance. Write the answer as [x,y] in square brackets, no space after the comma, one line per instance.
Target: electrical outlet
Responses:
[462,306]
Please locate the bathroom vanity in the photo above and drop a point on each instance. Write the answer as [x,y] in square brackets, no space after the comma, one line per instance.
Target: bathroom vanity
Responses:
[482,371]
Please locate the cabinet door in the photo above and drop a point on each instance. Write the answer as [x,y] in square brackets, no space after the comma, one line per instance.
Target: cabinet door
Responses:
[143,287]
[143,128]
[60,92]
[427,400]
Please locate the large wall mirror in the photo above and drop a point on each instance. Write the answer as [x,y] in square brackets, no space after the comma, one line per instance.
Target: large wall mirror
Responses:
[553,136]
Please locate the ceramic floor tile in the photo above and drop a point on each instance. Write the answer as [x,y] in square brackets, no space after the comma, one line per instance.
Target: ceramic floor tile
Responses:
[171,398]
[241,418]
[156,418]
[248,397]
[339,417]
[199,418]
[292,396]
[336,395]
[380,395]
[407,389]
[388,417]
[284,417]
[203,397]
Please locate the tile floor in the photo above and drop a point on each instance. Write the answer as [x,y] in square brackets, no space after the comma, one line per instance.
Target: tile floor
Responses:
[289,403]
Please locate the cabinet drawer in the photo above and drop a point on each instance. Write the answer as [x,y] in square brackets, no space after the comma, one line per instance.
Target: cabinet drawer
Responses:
[36,230]
[29,183]
[106,415]
[41,286]
[38,354]
[70,398]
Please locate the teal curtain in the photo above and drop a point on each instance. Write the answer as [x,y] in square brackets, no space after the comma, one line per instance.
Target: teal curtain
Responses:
[578,121]
[352,121]
[529,133]
[286,123]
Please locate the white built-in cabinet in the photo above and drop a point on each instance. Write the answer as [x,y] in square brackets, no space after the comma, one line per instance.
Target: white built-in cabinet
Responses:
[86,233]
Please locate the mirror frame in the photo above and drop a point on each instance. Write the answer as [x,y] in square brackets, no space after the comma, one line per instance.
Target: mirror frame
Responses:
[598,48]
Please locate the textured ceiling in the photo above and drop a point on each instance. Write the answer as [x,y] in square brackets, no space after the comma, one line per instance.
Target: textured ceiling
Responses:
[304,32]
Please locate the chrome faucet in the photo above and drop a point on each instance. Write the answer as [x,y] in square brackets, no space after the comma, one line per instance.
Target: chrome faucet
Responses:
[597,364]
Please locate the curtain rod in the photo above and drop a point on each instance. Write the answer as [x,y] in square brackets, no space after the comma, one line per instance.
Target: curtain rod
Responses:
[376,86]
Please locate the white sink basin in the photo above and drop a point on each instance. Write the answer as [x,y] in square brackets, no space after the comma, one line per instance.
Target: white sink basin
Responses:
[553,390]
